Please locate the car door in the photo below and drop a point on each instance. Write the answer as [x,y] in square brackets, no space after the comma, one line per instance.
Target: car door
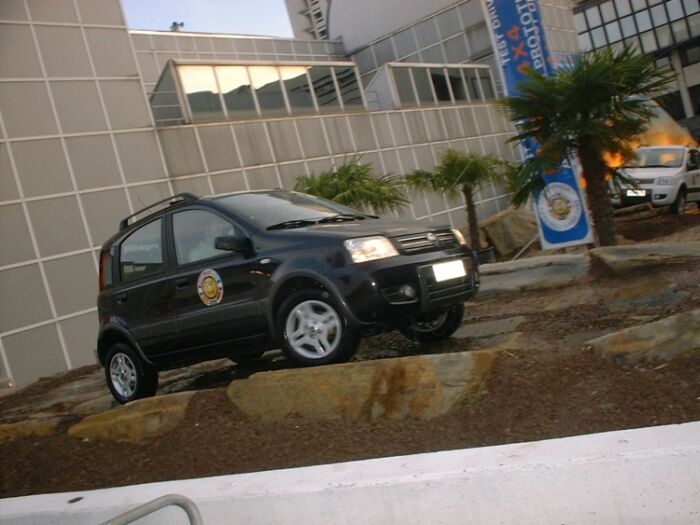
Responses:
[143,297]
[693,178]
[214,290]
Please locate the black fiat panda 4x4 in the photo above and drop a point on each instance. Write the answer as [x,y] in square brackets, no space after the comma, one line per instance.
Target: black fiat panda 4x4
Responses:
[235,275]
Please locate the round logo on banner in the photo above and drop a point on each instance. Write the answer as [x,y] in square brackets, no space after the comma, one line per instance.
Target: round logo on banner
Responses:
[210,287]
[559,206]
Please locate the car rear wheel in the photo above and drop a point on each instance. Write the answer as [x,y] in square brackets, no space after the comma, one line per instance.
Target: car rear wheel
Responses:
[435,327]
[678,206]
[314,330]
[128,376]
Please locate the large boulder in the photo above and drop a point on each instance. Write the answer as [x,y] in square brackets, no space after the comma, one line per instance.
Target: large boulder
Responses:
[510,230]
[623,258]
[137,421]
[27,428]
[421,386]
[664,339]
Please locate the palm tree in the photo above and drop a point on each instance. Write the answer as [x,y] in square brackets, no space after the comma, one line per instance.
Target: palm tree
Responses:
[353,185]
[465,173]
[595,104]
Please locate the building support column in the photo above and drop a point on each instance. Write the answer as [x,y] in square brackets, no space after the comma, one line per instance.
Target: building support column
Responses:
[682,86]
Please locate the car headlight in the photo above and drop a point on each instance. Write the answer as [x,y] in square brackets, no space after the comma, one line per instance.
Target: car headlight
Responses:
[460,238]
[370,248]
[664,181]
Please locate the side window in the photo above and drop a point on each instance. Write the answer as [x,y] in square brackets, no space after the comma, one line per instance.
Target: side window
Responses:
[194,232]
[693,159]
[142,252]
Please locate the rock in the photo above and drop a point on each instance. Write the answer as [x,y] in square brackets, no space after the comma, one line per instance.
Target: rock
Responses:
[489,328]
[136,421]
[420,386]
[551,271]
[510,230]
[664,339]
[513,341]
[95,406]
[568,299]
[577,339]
[623,258]
[30,427]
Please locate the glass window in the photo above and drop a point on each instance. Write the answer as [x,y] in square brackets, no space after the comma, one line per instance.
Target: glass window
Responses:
[479,39]
[349,87]
[486,85]
[448,23]
[459,92]
[195,232]
[472,82]
[648,42]
[471,13]
[598,36]
[427,33]
[658,15]
[365,60]
[237,92]
[623,7]
[298,89]
[142,252]
[675,10]
[643,21]
[402,78]
[384,51]
[633,42]
[405,42]
[628,27]
[324,87]
[691,6]
[607,11]
[433,55]
[201,91]
[663,36]
[680,30]
[268,90]
[580,22]
[613,31]
[456,49]
[638,5]
[694,25]
[165,102]
[422,82]
[439,80]
[593,16]
[584,40]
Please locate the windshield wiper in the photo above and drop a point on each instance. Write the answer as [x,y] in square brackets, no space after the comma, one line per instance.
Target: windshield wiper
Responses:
[295,223]
[341,217]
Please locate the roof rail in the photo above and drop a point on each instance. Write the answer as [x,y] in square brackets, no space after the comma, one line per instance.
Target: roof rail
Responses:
[174,199]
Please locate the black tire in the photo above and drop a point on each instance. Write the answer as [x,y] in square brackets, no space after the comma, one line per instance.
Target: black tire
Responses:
[438,327]
[128,376]
[678,206]
[312,341]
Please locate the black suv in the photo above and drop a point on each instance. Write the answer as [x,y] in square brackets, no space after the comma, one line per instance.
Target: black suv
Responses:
[235,275]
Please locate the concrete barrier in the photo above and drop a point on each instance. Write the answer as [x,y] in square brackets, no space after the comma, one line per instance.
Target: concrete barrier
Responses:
[648,475]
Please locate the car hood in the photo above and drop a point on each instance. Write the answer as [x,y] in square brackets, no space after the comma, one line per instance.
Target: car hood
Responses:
[650,173]
[362,228]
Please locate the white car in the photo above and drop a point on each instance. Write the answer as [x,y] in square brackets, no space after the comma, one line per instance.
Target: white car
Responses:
[663,175]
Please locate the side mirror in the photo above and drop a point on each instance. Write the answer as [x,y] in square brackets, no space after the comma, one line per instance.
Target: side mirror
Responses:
[232,243]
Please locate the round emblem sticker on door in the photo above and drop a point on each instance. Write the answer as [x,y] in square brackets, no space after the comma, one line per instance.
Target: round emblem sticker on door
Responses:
[210,287]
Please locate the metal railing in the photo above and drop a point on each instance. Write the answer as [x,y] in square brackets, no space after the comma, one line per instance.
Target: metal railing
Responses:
[141,511]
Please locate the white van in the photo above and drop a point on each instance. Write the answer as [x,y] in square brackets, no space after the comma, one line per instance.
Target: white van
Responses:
[663,175]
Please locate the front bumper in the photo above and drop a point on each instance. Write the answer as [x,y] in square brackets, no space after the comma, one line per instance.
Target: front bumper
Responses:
[374,292]
[657,195]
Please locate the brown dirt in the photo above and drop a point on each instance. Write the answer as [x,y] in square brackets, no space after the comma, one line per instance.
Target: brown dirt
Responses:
[657,227]
[549,390]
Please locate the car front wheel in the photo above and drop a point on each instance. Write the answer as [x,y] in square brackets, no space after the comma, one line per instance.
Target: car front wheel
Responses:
[128,376]
[678,206]
[435,327]
[314,330]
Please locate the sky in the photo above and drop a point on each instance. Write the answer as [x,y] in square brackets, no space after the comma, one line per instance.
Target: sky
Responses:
[243,17]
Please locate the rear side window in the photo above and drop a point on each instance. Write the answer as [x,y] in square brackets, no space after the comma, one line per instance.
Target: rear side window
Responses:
[142,252]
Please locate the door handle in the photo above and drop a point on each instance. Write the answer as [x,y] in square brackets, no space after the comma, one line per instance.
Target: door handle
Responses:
[181,283]
[121,299]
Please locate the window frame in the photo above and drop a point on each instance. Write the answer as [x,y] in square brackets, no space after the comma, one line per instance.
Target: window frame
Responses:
[163,250]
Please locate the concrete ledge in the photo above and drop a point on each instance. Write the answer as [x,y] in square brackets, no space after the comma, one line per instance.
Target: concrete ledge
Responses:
[647,475]
[419,386]
[624,258]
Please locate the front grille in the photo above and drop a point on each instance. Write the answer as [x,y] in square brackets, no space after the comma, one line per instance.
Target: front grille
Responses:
[644,182]
[419,242]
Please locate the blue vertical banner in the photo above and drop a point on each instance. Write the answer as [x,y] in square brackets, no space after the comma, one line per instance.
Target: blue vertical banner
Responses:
[519,43]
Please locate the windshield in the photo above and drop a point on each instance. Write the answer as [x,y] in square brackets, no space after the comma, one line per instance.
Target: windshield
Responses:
[268,209]
[657,158]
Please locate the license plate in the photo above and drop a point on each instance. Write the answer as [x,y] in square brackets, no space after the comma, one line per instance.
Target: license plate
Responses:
[448,270]
[636,193]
